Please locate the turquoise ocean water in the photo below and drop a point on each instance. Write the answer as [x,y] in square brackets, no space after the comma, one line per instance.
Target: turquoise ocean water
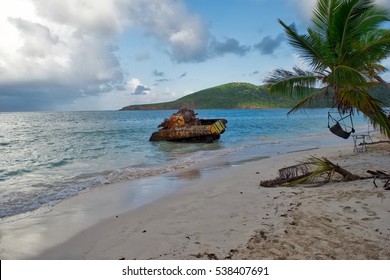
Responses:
[47,157]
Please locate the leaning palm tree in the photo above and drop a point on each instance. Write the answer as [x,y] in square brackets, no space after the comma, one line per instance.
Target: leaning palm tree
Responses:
[343,50]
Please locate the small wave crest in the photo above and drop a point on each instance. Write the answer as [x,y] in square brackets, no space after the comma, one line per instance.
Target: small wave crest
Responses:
[4,174]
[59,163]
[48,195]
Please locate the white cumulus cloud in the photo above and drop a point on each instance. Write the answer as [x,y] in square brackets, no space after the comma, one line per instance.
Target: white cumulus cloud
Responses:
[57,51]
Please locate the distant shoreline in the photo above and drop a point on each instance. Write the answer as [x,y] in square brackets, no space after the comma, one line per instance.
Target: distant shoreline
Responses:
[243,96]
[142,108]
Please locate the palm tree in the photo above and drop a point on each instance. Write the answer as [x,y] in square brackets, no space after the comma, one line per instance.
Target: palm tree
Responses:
[342,49]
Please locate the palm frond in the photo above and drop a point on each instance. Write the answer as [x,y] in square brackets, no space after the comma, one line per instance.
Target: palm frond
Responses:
[323,172]
[362,101]
[369,106]
[308,46]
[354,20]
[293,83]
[344,76]
[321,167]
[375,46]
[323,15]
[305,102]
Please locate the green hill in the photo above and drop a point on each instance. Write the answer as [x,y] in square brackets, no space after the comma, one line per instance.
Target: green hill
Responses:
[239,96]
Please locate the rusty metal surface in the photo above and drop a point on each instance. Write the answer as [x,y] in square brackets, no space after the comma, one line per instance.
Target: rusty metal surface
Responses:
[204,131]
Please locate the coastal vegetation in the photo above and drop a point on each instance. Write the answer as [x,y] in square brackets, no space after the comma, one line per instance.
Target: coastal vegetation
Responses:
[244,96]
[226,96]
[343,50]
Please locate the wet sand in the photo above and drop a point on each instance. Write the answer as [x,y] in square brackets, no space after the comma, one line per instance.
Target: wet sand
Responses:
[225,214]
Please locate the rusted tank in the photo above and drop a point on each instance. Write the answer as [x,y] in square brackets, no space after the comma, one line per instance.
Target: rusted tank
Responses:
[184,126]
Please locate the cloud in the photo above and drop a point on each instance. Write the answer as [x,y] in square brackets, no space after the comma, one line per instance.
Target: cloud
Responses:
[158,74]
[162,81]
[64,50]
[184,35]
[30,97]
[142,56]
[182,75]
[161,76]
[56,53]
[141,90]
[230,45]
[99,18]
[268,45]
[253,73]
[38,38]
[60,51]
[136,87]
[384,3]
[304,8]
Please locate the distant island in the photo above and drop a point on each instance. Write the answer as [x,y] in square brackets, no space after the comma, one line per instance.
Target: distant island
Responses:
[242,96]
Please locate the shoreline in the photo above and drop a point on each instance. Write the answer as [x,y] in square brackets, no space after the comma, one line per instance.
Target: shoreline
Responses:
[219,213]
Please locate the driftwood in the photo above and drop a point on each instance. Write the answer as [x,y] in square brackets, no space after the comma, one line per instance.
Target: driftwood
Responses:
[373,143]
[384,177]
[321,174]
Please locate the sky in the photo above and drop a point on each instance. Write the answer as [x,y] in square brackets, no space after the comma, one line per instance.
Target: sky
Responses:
[72,55]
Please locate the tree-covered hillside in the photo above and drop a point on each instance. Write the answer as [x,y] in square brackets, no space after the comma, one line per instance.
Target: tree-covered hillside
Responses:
[240,96]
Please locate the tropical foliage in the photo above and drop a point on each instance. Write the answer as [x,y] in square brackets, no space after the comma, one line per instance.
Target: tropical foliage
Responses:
[343,50]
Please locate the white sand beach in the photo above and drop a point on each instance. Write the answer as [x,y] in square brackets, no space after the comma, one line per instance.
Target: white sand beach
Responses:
[225,214]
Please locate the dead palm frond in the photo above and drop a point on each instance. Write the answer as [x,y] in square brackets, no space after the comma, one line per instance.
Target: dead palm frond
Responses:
[314,171]
[323,171]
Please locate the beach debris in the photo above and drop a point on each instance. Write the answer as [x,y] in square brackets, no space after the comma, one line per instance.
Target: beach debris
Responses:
[314,171]
[287,175]
[381,175]
[374,143]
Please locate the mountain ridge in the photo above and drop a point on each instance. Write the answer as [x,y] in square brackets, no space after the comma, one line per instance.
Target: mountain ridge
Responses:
[237,95]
